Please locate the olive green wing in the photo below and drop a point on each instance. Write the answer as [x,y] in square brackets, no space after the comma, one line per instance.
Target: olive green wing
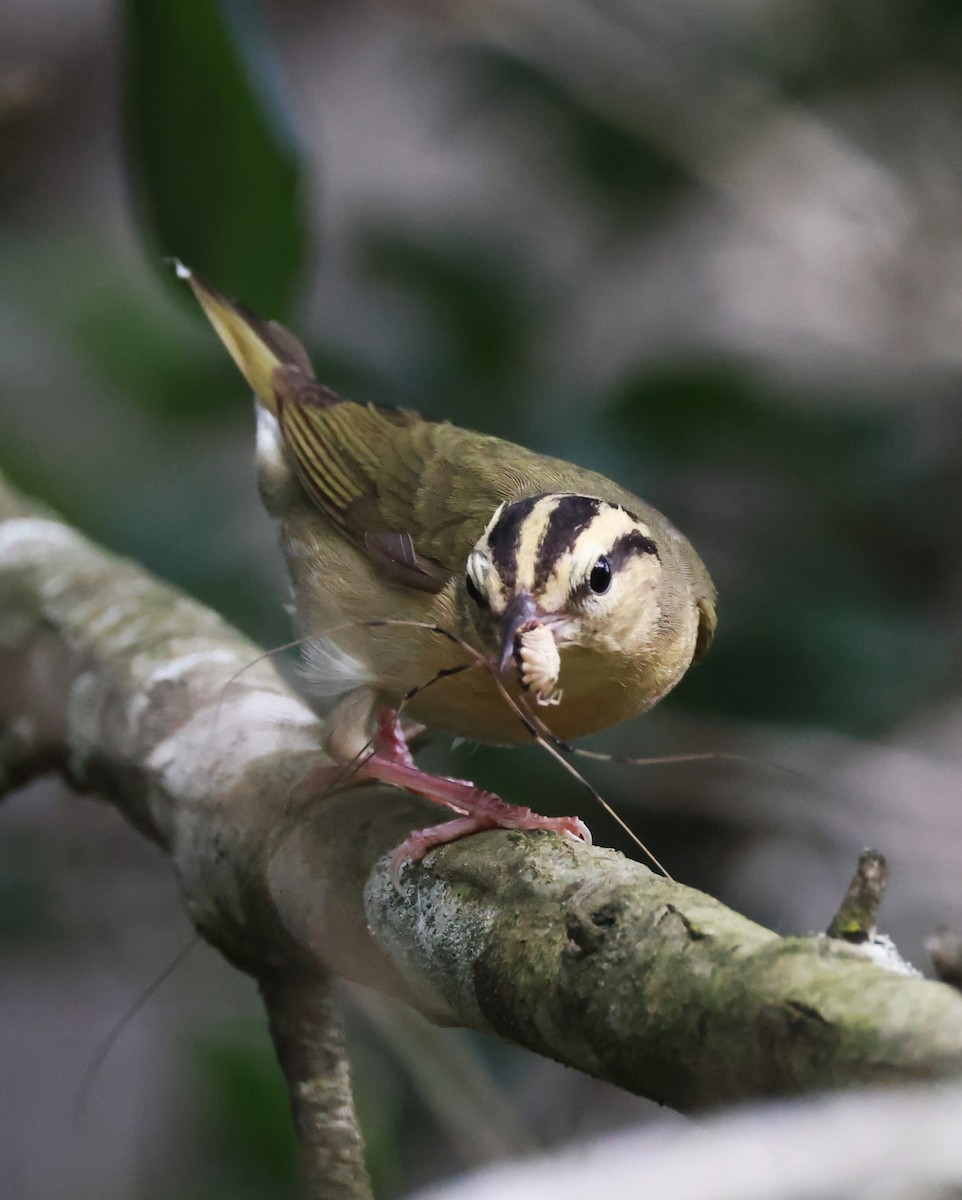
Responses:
[416,494]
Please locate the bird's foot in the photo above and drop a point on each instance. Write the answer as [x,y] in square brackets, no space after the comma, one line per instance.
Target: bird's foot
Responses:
[477,809]
[420,841]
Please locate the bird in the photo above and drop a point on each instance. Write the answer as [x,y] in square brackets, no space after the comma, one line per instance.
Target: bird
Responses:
[417,549]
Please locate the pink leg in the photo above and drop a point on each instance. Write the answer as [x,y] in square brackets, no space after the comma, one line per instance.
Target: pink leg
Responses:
[478,809]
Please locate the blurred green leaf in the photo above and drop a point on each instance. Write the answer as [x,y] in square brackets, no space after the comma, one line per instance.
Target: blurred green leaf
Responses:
[27,909]
[249,1125]
[481,310]
[822,613]
[622,174]
[813,658]
[122,328]
[706,409]
[826,46]
[215,167]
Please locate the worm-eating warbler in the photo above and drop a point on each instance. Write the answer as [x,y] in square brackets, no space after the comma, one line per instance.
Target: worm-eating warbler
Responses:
[589,603]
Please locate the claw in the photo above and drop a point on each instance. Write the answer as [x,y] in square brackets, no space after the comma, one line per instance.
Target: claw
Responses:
[476,809]
[576,830]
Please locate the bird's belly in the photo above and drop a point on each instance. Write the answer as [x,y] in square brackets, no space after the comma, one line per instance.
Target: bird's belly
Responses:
[597,691]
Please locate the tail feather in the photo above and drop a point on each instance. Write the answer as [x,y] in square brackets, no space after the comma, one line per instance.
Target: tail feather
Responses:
[261,349]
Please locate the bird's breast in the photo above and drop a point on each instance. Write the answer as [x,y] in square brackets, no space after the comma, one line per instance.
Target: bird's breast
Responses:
[597,690]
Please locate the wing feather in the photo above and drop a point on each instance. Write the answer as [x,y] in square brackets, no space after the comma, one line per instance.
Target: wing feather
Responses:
[415,494]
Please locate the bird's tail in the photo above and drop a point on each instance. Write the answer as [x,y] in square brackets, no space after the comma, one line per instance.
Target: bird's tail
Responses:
[267,354]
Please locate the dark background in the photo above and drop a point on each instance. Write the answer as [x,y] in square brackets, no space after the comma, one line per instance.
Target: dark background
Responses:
[712,250]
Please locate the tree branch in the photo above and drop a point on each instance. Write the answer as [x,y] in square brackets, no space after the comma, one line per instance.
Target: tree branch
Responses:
[573,951]
[310,1047]
[835,1147]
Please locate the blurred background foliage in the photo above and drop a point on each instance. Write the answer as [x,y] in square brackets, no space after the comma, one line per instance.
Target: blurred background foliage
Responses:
[713,250]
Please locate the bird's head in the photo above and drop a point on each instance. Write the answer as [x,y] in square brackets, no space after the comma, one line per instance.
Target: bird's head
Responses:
[587,570]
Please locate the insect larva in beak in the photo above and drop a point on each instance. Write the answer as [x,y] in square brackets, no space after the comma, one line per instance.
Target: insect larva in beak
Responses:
[539,663]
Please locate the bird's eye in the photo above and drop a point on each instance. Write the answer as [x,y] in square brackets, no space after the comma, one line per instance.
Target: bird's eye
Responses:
[472,589]
[600,578]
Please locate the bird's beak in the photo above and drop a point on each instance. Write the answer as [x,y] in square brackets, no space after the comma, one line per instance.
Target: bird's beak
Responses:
[521,609]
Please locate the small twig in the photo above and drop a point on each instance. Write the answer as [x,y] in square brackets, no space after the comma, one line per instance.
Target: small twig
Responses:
[310,1047]
[945,949]
[857,916]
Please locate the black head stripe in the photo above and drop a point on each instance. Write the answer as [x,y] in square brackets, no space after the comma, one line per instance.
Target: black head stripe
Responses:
[566,524]
[505,538]
[625,547]
[630,544]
